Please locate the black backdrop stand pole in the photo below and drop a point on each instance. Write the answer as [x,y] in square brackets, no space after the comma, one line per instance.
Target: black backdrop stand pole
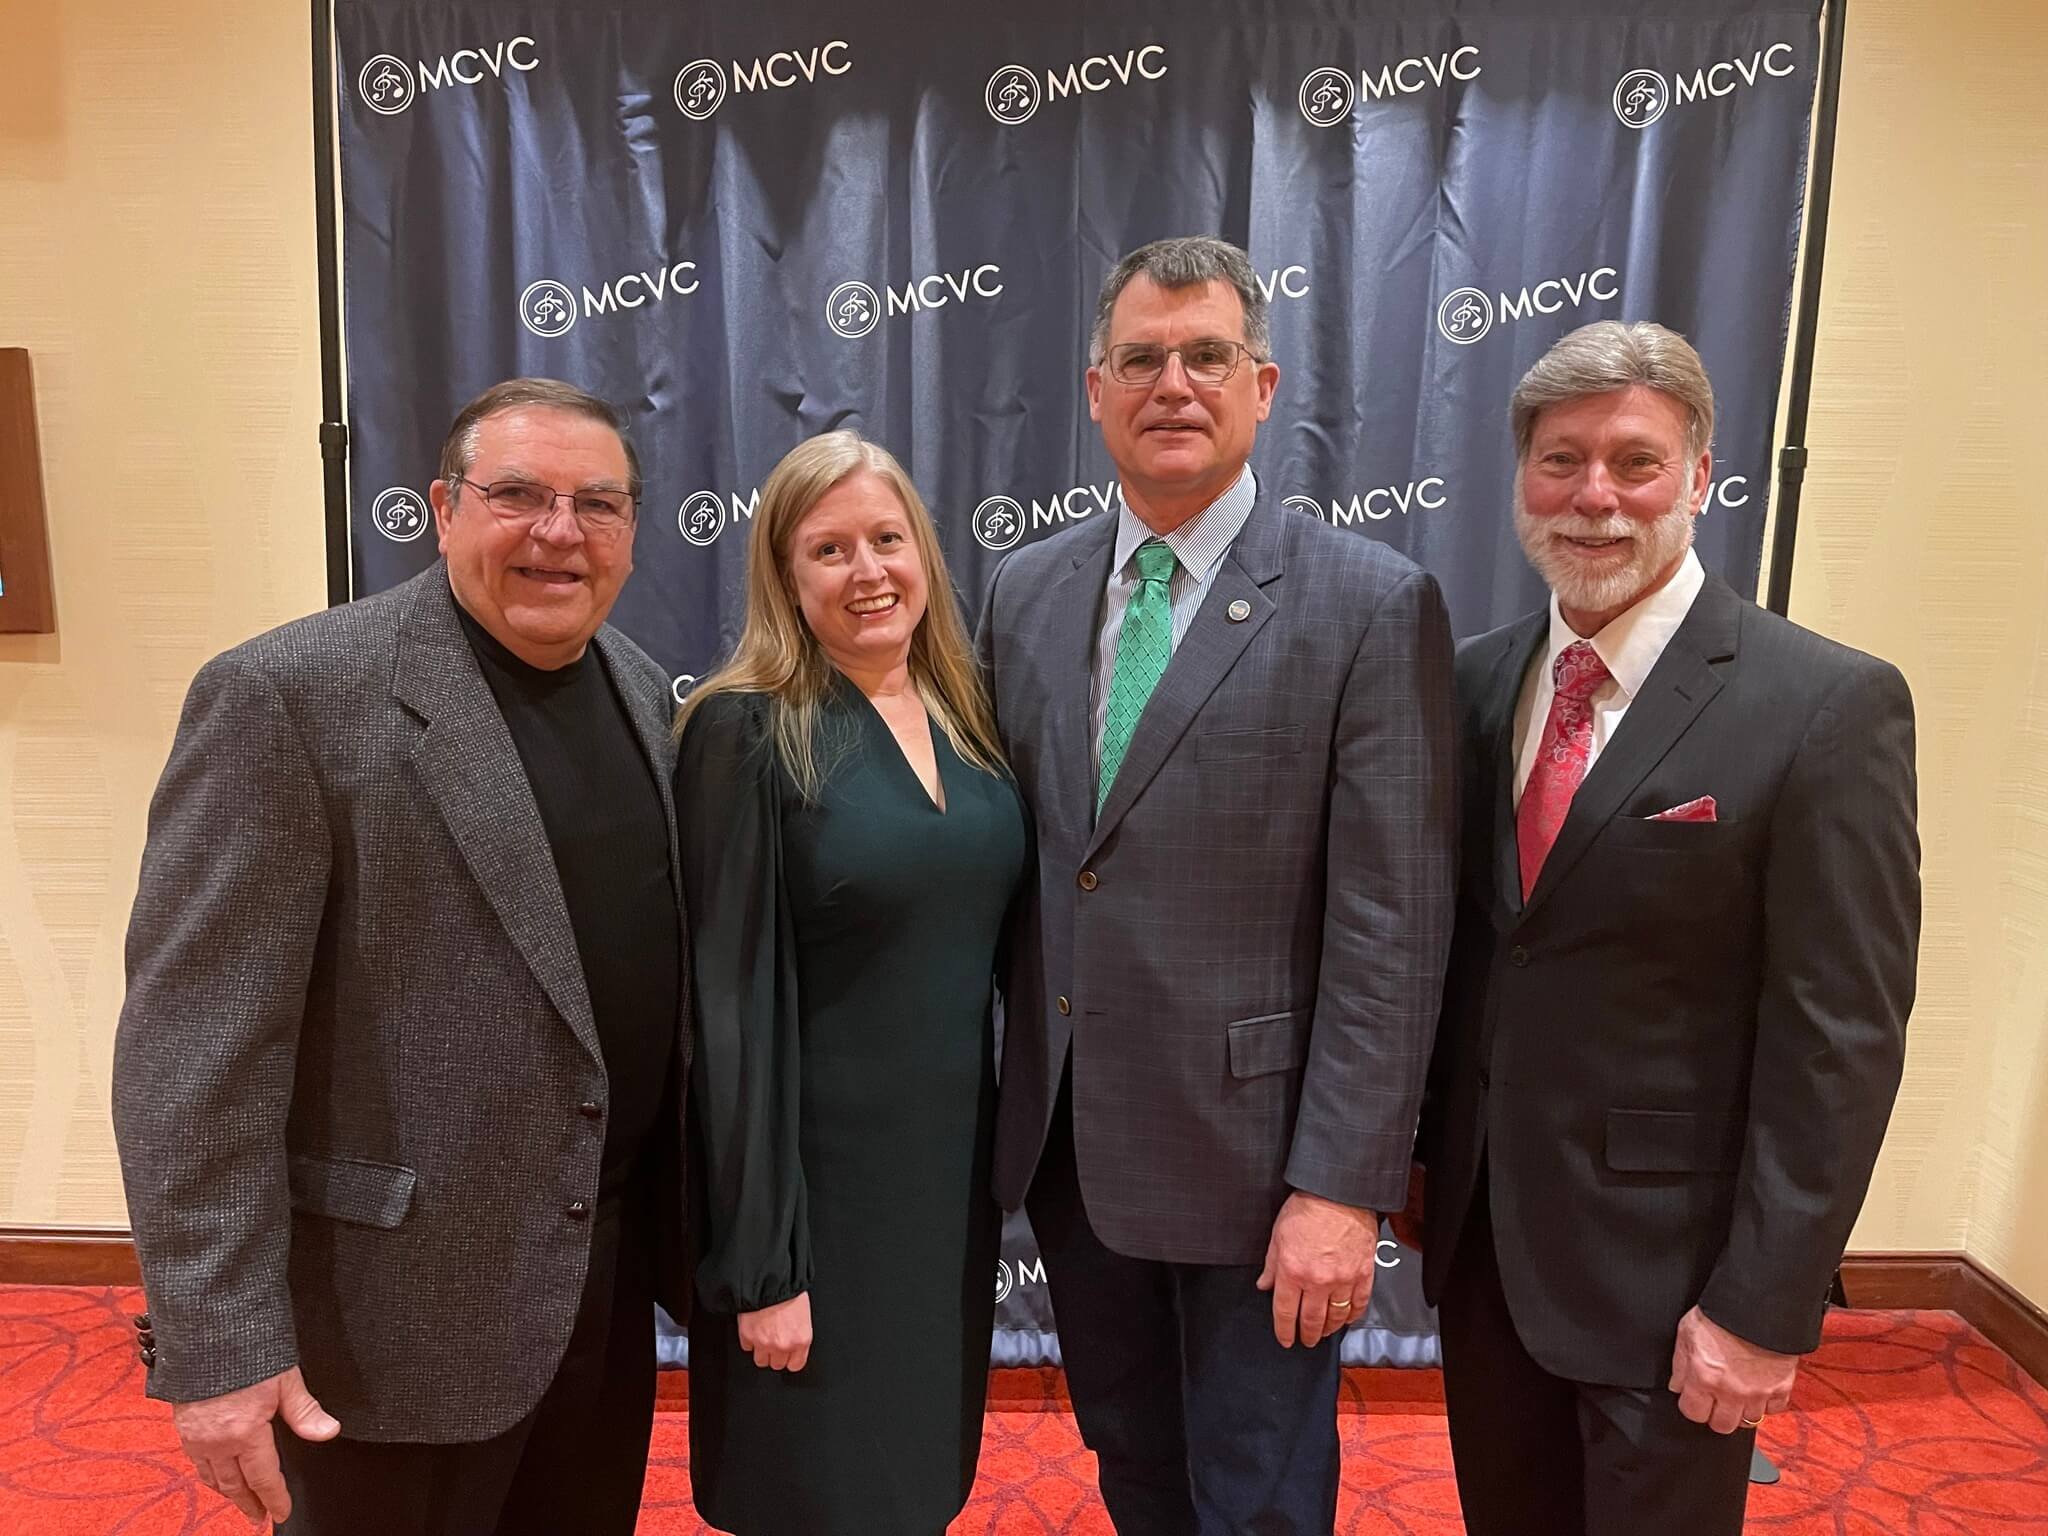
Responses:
[1792,457]
[333,430]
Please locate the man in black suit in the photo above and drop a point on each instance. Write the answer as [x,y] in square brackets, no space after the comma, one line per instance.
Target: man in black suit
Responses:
[1676,1008]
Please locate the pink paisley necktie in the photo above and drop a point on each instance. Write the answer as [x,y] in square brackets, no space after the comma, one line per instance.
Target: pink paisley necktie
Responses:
[1561,758]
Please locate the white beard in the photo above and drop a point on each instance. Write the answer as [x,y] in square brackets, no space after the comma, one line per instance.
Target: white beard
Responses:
[1657,546]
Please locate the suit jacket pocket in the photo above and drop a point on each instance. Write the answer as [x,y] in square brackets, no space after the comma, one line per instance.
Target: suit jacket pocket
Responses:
[1225,746]
[368,1194]
[1672,1141]
[1272,1042]
[1667,836]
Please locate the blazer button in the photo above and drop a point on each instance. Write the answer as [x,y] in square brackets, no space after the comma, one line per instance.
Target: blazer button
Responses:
[149,1359]
[142,1323]
[1518,956]
[590,1111]
[1065,1006]
[1087,880]
[578,1211]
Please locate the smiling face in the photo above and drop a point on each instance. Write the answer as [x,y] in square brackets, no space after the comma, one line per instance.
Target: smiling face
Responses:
[1605,500]
[1178,445]
[856,573]
[541,586]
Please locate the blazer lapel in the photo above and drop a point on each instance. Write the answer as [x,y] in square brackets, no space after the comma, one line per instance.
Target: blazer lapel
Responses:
[471,771]
[1203,659]
[1677,689]
[1069,618]
[651,719]
[1523,645]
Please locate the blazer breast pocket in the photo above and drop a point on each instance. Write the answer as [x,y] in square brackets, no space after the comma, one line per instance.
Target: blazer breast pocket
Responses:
[1668,836]
[1270,1042]
[347,1189]
[1248,746]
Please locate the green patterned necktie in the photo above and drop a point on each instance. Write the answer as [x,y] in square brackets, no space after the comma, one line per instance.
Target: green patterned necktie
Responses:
[1143,646]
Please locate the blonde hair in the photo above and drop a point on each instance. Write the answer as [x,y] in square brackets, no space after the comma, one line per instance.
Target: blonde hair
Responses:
[777,654]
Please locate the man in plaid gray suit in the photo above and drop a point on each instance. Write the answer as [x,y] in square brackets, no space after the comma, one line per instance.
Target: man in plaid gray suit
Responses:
[397,1082]
[1234,725]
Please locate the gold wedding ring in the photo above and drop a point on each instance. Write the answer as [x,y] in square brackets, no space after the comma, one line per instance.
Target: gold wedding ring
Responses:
[1340,1306]
[1751,1423]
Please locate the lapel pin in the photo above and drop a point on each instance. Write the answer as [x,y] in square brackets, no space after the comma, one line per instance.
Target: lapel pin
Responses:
[1240,611]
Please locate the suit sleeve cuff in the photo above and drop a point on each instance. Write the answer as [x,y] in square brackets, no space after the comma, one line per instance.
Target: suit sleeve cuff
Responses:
[1379,1186]
[1783,1324]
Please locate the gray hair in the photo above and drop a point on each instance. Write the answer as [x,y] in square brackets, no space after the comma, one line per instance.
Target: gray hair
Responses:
[1609,354]
[1184,263]
[458,449]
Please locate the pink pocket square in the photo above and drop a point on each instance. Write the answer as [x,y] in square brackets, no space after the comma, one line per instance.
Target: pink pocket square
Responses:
[1701,809]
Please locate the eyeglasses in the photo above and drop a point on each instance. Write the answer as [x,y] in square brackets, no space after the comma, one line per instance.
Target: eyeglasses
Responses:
[1207,361]
[517,500]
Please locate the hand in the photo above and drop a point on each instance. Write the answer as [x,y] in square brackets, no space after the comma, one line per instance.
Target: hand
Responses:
[1724,1381]
[1407,1222]
[779,1337]
[231,1446]
[1321,1252]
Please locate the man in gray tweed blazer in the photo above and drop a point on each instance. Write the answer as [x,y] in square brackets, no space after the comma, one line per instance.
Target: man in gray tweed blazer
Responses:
[1234,726]
[397,1082]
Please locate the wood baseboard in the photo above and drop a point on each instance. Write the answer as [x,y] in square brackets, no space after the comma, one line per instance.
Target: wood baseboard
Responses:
[67,1256]
[1953,1282]
[1944,1282]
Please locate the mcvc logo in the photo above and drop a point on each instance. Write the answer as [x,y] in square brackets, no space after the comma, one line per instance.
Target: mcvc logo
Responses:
[1641,96]
[1023,1272]
[704,515]
[1721,493]
[387,84]
[1466,314]
[701,85]
[400,514]
[853,308]
[1283,282]
[1327,95]
[548,308]
[1377,504]
[1013,92]
[1000,521]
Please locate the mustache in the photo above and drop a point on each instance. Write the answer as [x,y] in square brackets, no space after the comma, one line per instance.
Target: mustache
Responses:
[1616,527]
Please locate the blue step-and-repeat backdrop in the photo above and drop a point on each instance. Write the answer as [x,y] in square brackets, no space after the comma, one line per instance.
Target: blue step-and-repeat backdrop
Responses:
[747,224]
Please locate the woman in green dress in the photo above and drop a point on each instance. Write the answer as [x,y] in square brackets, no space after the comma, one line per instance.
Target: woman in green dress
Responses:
[851,843]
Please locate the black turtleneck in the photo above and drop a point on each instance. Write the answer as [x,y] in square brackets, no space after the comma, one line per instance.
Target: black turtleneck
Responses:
[601,809]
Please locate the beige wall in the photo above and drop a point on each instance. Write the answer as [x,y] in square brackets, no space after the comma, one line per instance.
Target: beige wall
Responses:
[156,254]
[1921,541]
[156,258]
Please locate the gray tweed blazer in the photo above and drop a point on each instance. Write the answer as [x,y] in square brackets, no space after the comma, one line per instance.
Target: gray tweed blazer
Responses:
[348,1071]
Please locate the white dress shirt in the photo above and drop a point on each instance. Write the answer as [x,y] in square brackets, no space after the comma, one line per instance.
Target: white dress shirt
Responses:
[1198,547]
[1629,646]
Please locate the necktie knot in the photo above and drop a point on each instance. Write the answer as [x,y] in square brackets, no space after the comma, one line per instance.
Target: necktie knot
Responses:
[1578,672]
[1155,561]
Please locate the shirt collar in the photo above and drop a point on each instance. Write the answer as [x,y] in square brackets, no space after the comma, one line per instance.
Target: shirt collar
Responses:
[1199,542]
[1631,642]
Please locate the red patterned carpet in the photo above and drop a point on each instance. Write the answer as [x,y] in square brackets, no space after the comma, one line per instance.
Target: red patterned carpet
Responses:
[1904,1422]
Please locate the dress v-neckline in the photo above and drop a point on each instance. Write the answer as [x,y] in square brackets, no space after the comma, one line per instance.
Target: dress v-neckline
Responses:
[936,735]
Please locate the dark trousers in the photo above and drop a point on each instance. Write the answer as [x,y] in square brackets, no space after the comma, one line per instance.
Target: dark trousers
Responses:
[1537,1453]
[572,1467]
[1203,1425]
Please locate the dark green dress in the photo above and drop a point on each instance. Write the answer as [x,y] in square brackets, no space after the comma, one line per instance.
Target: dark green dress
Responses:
[842,1105]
